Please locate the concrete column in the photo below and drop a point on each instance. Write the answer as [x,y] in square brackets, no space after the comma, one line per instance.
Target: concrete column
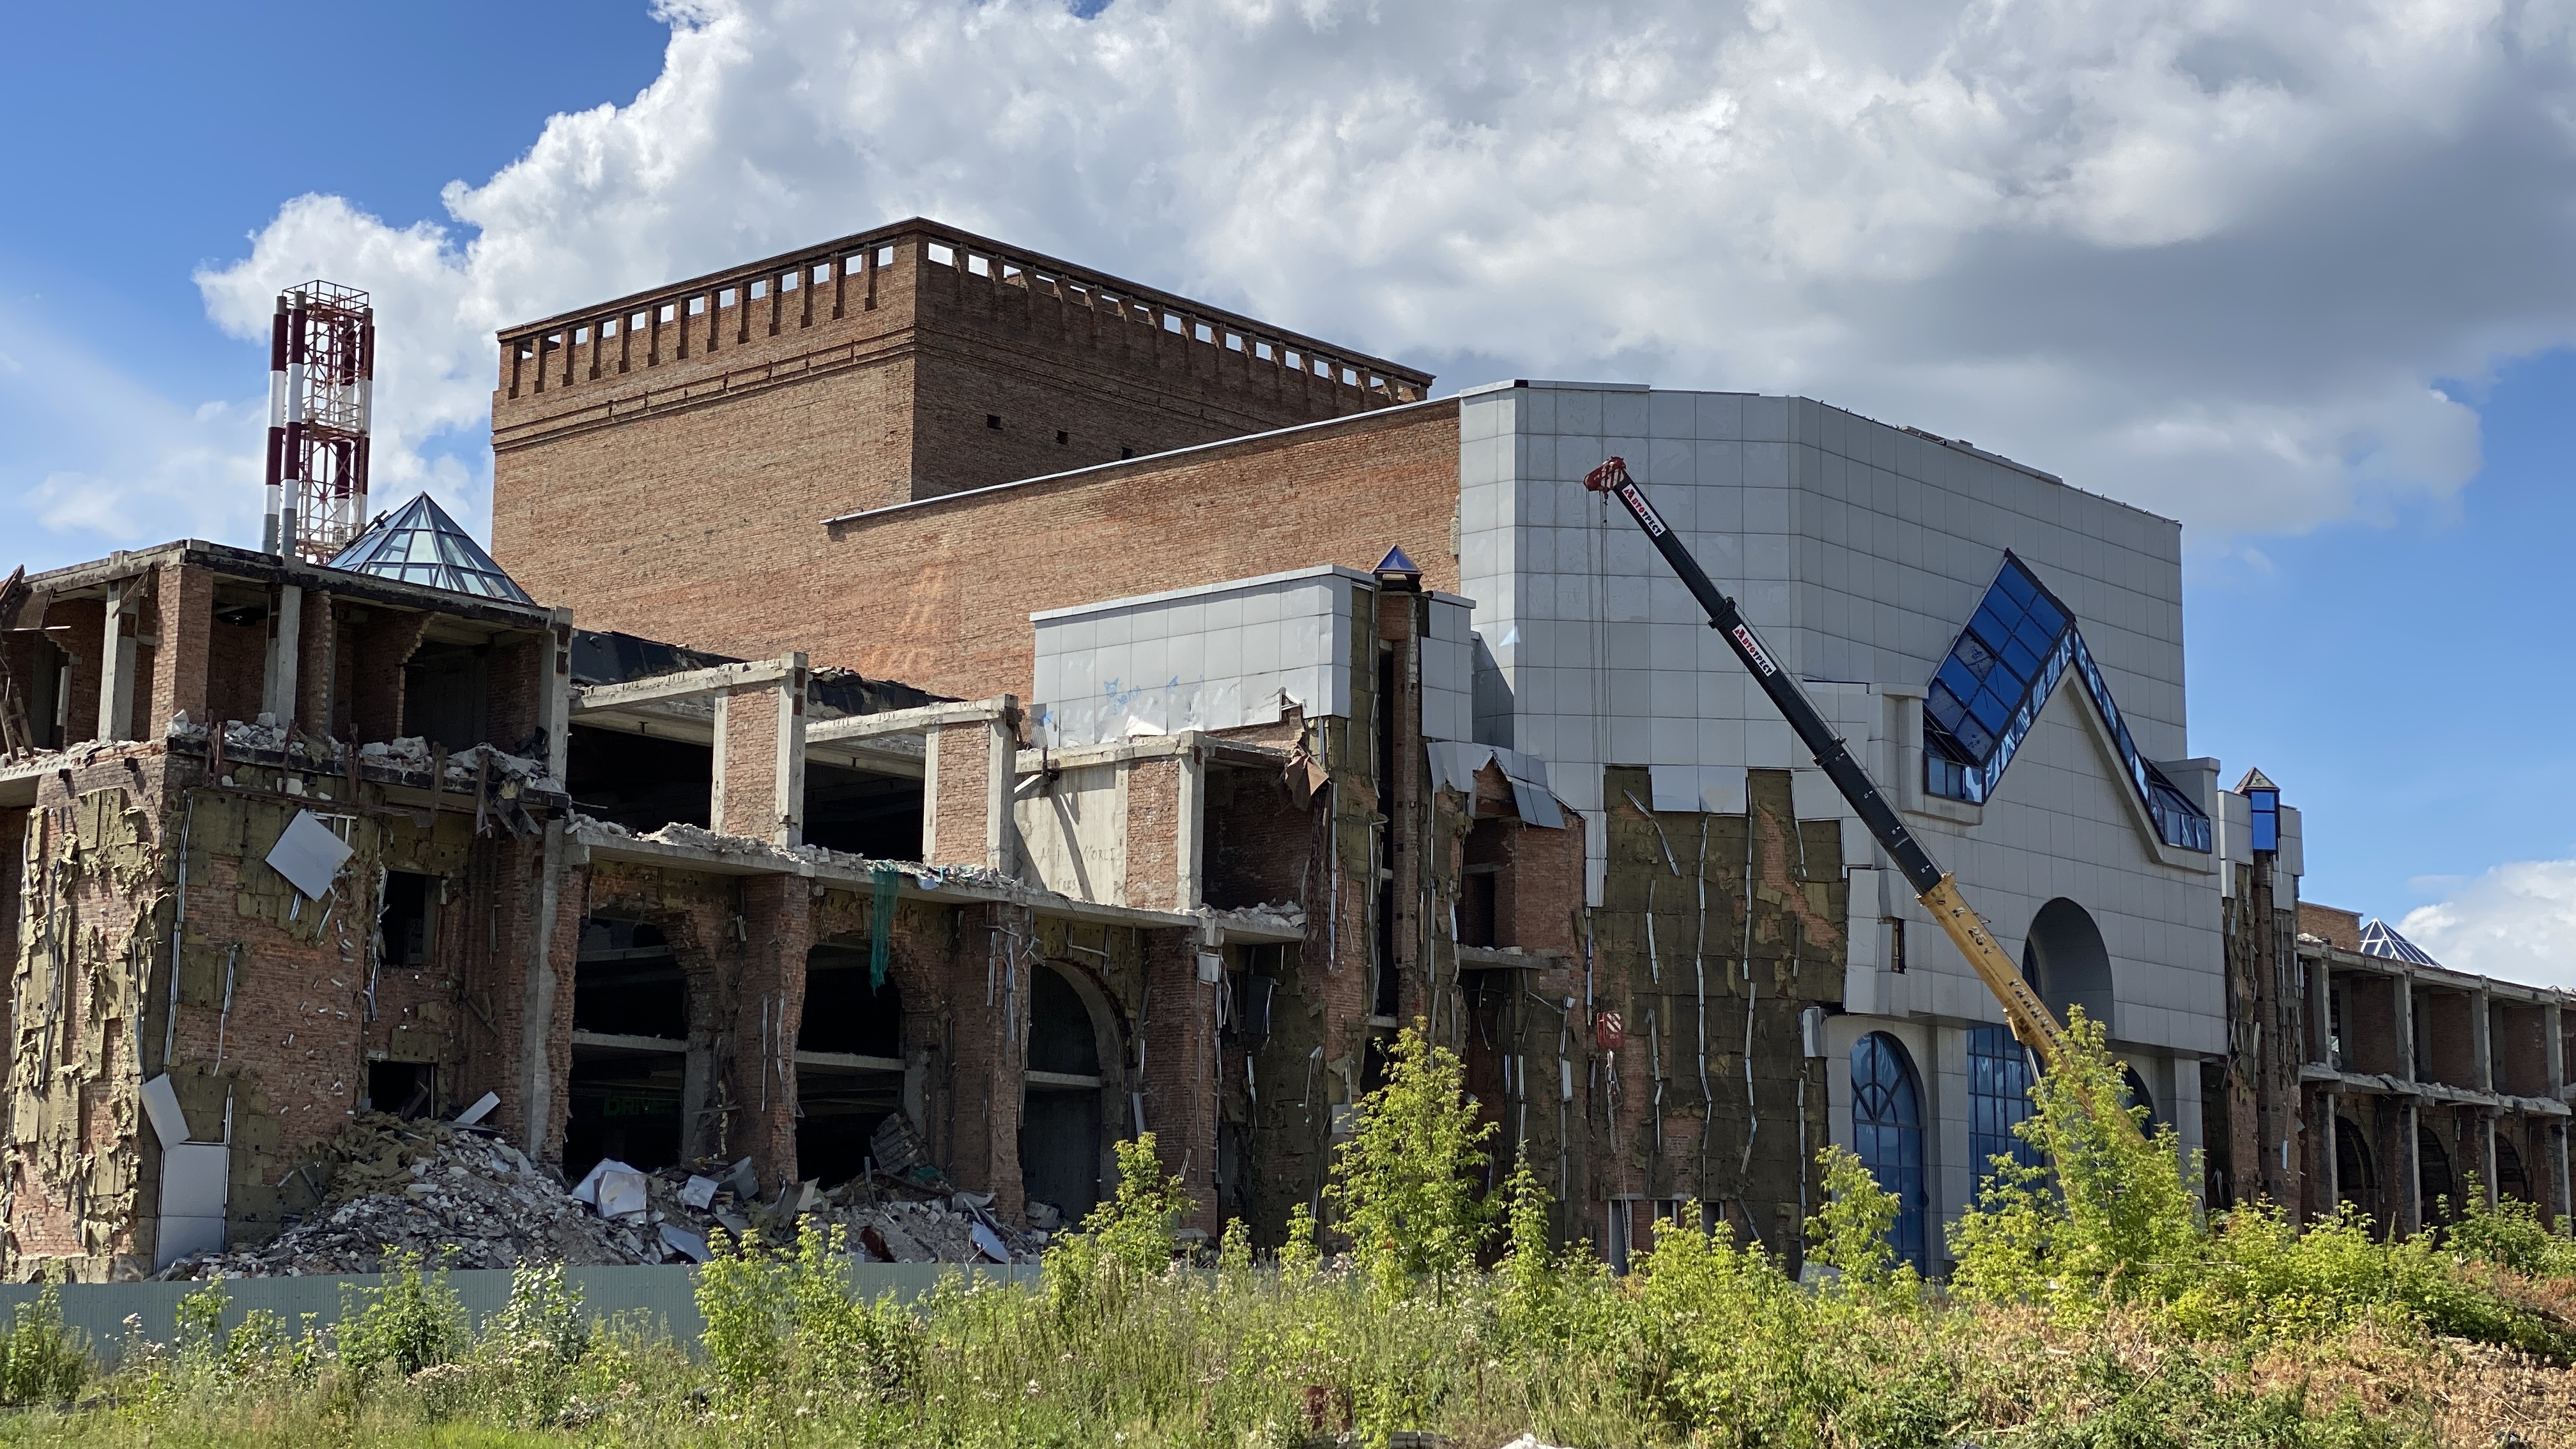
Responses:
[2484,1135]
[116,661]
[788,773]
[285,650]
[2325,1184]
[760,1049]
[555,707]
[2553,1188]
[2481,1029]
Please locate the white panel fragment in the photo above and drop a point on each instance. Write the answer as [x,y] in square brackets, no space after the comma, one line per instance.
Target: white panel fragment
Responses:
[309,855]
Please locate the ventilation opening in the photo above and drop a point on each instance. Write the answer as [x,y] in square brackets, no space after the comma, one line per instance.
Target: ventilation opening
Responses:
[993,421]
[630,1048]
[1062,437]
[849,1063]
[866,812]
[1126,453]
[409,1090]
[638,781]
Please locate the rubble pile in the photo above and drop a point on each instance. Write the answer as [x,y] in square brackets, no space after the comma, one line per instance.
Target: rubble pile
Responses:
[463,1197]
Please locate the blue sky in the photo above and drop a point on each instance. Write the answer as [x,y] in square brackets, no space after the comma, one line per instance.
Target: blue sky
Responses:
[2293,274]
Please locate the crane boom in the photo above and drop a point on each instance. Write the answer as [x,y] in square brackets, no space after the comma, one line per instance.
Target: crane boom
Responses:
[1937,889]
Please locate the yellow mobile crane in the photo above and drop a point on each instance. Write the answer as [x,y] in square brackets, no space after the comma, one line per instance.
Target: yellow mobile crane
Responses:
[1938,890]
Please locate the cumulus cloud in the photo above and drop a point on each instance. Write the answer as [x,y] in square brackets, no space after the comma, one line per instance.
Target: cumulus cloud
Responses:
[2211,256]
[2517,922]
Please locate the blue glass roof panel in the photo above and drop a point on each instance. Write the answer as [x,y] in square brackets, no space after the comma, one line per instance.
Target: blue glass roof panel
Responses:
[419,544]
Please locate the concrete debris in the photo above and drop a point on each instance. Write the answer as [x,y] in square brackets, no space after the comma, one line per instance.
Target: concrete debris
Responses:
[1289,916]
[468,1199]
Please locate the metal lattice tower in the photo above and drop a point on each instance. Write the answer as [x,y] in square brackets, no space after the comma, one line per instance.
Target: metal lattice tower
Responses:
[321,380]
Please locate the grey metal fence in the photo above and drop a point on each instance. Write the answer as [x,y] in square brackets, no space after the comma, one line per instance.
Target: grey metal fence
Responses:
[661,1299]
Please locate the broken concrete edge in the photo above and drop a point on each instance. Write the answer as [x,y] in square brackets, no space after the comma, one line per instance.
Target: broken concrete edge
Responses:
[703,850]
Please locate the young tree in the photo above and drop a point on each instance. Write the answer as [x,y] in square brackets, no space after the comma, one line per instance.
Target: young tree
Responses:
[1406,1180]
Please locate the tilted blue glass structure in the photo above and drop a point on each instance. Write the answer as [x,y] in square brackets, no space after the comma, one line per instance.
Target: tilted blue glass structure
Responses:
[1989,691]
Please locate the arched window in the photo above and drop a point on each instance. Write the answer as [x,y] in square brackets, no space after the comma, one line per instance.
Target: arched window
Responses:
[2511,1181]
[2356,1175]
[1887,1132]
[2435,1188]
[2139,1096]
[1999,1080]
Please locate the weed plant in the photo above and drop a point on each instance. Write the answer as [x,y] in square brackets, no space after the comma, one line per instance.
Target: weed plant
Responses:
[2092,1306]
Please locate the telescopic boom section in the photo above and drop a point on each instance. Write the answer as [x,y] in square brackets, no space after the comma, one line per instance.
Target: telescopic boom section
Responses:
[1936,889]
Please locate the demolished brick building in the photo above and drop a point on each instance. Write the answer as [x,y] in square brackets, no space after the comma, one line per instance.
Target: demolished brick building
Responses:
[967,688]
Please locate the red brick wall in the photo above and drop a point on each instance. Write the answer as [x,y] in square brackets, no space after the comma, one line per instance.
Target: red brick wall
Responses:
[183,605]
[697,520]
[746,801]
[1154,835]
[963,831]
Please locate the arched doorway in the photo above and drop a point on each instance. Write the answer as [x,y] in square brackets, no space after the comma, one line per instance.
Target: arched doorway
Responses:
[1887,1132]
[849,1062]
[2356,1176]
[2064,957]
[2139,1096]
[1065,1104]
[2436,1189]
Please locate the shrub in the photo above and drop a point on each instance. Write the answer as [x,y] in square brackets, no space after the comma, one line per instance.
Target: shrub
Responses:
[738,1294]
[2111,1220]
[1406,1181]
[406,1324]
[41,1361]
[1849,1233]
[1127,1240]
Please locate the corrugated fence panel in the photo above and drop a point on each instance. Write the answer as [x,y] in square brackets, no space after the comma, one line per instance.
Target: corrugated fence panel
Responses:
[661,1299]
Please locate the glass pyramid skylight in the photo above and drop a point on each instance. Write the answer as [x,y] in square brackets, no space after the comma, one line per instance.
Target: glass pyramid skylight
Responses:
[419,544]
[1988,693]
[2378,938]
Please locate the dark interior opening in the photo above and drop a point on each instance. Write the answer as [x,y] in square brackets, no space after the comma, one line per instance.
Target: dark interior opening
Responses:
[1486,855]
[48,693]
[628,982]
[444,694]
[841,1102]
[402,927]
[862,811]
[642,782]
[407,1089]
[625,1091]
[1384,995]
[1061,1035]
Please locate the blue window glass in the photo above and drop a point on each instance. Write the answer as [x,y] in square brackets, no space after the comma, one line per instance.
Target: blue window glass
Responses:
[419,544]
[1999,1082]
[2267,818]
[1887,1132]
[1989,691]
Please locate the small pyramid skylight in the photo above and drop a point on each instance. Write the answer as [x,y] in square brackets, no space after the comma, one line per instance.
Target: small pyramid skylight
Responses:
[419,544]
[2378,938]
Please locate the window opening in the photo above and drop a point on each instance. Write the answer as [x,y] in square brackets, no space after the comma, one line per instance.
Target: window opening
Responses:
[630,1048]
[1887,1132]
[2511,1181]
[2267,818]
[1997,677]
[402,926]
[444,694]
[849,1062]
[1061,1111]
[2356,1175]
[865,812]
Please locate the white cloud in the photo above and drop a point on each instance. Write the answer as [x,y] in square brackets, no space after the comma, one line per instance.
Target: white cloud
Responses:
[2517,922]
[2210,256]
